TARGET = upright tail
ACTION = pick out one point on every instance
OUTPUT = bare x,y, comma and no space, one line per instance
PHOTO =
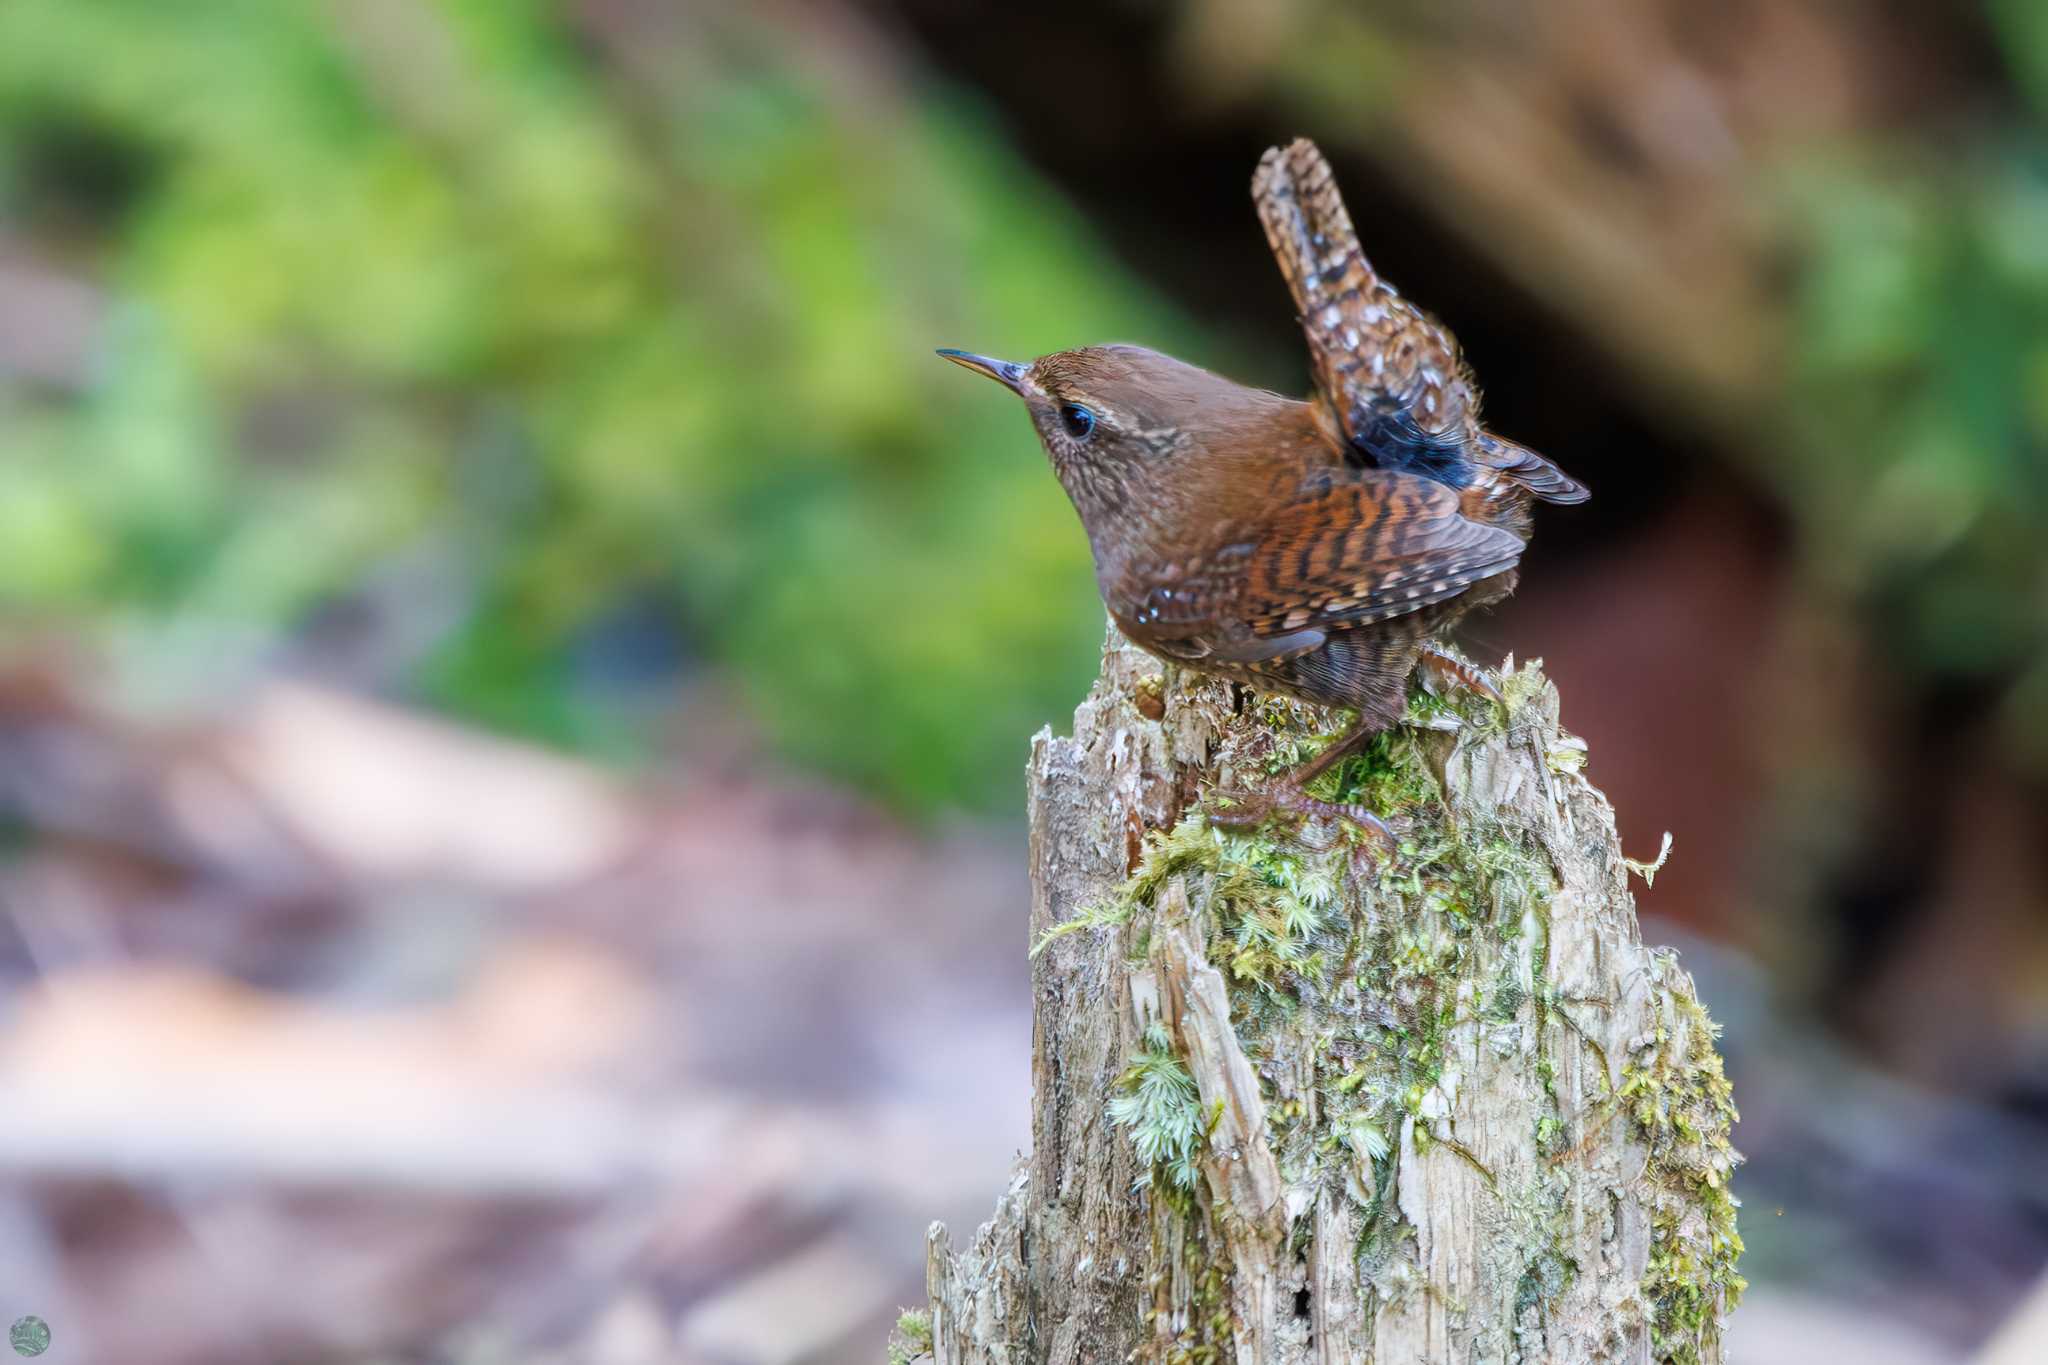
1309,229
1375,355
1391,374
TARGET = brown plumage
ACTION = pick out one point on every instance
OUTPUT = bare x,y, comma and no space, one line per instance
1390,379
1316,548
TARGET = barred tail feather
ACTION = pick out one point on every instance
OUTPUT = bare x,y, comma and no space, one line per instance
1309,229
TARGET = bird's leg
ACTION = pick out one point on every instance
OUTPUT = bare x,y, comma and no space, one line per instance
1446,670
1253,809
1346,744
1292,791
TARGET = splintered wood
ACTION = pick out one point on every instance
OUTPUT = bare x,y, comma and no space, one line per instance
1450,1107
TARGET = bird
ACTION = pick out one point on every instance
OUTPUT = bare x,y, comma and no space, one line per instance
1320,548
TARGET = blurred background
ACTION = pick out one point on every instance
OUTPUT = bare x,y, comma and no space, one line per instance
516,662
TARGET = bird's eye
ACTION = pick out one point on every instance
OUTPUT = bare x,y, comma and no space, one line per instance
1079,422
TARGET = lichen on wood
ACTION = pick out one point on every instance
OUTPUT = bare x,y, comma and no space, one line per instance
1301,1098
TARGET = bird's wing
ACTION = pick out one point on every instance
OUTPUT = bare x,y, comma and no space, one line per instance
1392,375
1366,546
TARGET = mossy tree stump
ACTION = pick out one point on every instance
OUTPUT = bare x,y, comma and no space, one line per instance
1297,1101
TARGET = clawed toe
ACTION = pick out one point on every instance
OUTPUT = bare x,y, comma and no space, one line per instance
1447,670
1251,811
1304,804
1247,812
1285,798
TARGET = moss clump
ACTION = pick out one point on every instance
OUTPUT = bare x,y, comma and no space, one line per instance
1270,892
1188,846
1157,1101
1680,1102
1267,898
912,1339
1389,776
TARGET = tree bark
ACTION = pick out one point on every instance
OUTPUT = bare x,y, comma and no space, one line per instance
1300,1098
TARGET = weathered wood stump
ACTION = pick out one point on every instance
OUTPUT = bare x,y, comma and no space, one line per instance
1299,1098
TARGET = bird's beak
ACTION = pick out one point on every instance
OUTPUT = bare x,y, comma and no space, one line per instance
1008,373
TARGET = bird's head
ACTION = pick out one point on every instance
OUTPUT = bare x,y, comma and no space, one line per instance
1126,427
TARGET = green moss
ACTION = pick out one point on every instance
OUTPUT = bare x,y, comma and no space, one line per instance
912,1339
1200,1330
1358,982
1156,1100
1390,775
1204,1332
1188,846
1678,1098
1267,898
1521,687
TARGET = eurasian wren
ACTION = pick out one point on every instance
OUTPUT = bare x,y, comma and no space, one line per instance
1315,548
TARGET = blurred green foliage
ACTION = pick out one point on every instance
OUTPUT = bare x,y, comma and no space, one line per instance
639,340
612,351
1920,396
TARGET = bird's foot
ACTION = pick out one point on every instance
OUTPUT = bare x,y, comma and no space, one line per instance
1444,670
1255,810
